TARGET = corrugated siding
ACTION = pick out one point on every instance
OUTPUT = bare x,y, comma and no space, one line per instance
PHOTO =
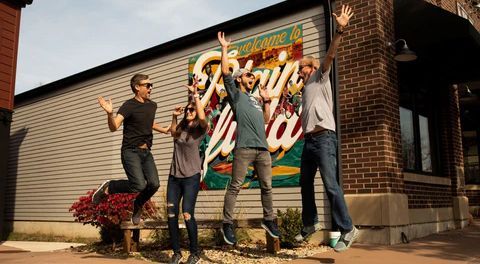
61,146
9,21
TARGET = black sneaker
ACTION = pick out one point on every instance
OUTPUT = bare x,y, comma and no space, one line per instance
271,228
307,231
193,259
228,234
100,194
137,214
176,258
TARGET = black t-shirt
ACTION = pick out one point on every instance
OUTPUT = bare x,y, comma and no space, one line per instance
137,123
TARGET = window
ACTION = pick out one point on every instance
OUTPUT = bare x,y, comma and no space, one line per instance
470,157
425,149
408,141
417,123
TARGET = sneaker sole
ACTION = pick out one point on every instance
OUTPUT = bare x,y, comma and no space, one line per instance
225,238
269,232
97,192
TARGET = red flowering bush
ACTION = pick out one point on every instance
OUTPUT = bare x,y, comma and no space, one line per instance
110,212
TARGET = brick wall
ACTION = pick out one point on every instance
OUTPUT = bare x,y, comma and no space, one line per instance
473,198
9,29
451,6
422,195
451,141
370,127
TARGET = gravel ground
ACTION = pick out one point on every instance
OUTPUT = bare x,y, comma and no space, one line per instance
241,253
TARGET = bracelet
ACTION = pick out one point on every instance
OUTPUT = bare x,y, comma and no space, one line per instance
196,95
340,32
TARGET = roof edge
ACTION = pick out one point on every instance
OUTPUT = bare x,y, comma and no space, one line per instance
264,14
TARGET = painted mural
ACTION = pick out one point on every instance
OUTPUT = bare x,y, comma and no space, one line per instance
272,58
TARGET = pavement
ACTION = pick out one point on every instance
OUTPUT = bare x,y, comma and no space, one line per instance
452,247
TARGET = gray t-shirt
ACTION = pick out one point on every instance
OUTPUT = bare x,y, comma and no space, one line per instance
248,113
317,103
186,160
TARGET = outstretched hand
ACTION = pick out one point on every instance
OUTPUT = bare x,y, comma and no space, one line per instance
106,105
344,17
194,87
221,38
178,110
264,92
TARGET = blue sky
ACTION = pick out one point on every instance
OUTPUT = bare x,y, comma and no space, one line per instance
63,37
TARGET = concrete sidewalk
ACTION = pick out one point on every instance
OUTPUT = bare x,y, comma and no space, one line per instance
23,252
32,246
452,247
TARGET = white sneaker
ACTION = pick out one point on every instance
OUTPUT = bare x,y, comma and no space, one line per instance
346,240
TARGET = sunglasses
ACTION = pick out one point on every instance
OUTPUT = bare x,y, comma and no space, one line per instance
302,66
148,85
249,74
189,109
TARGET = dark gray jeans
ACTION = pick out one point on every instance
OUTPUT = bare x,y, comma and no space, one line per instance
262,163
141,173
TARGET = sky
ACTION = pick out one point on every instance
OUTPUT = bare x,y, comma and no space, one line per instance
63,37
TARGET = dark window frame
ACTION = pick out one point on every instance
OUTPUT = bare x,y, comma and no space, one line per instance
412,98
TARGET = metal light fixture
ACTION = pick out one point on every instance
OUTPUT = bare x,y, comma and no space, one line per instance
402,52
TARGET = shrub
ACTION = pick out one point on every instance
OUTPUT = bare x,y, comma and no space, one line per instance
290,226
109,213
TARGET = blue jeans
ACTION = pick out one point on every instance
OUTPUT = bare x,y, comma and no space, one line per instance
141,173
188,189
321,152
262,162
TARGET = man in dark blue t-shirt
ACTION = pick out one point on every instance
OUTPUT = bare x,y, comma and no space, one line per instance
138,118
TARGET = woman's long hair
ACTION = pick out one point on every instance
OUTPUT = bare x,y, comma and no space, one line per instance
195,128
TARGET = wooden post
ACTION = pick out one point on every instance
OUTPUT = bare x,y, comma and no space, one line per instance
127,240
273,244
136,240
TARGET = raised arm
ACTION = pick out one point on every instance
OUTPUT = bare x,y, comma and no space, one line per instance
224,43
342,21
198,104
228,82
114,122
176,112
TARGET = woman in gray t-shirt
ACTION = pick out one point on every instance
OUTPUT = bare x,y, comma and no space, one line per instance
184,178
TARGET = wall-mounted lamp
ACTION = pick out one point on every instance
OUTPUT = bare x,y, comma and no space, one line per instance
402,52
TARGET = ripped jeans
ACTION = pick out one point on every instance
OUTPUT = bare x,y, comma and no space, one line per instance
188,189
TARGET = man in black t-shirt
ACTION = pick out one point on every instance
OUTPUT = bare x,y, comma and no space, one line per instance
138,118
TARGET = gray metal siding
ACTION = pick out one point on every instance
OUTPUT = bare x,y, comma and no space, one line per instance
61,147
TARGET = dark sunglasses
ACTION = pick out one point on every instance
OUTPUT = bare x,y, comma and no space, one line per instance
189,109
249,74
148,85
303,66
